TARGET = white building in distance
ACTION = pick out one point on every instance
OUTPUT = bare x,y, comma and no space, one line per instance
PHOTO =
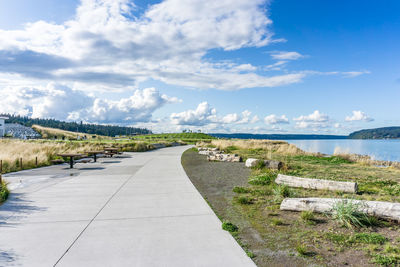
2,126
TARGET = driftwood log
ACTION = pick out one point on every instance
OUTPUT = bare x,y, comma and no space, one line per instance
294,181
380,209
270,164
273,164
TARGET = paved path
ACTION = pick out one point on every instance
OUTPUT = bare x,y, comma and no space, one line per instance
140,210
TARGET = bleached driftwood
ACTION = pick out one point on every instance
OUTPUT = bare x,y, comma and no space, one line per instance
270,164
294,181
380,209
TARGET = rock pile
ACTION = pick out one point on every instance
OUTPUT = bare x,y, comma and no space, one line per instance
214,154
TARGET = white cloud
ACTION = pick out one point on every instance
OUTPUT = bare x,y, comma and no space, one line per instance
358,115
284,55
315,121
204,115
316,116
61,102
274,119
106,44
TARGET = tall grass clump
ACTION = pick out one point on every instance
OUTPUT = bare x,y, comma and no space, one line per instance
282,191
3,191
350,214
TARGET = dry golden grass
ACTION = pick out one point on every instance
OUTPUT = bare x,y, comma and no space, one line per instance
281,147
49,133
11,150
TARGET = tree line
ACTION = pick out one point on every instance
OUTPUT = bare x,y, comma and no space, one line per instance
107,130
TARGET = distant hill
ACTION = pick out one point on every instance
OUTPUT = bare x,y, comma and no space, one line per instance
106,130
278,136
378,133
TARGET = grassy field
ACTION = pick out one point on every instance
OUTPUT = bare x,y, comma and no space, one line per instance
184,137
38,153
308,238
53,133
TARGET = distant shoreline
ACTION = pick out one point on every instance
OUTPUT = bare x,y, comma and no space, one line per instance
280,136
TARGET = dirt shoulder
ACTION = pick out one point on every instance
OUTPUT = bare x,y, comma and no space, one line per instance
215,181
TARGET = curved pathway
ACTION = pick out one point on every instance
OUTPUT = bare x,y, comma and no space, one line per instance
138,210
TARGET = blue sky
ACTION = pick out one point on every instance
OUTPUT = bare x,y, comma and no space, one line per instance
328,67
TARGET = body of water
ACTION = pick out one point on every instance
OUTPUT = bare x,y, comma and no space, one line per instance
377,149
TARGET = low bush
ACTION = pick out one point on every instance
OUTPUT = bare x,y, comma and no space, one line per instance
230,227
244,200
3,191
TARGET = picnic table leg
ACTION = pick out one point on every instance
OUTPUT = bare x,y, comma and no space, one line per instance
71,162
95,157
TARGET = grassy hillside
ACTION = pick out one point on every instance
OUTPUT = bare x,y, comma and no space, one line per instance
378,133
53,133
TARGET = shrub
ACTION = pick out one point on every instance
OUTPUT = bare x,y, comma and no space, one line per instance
349,214
244,200
230,227
4,192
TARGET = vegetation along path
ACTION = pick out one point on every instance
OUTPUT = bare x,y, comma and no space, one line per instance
137,210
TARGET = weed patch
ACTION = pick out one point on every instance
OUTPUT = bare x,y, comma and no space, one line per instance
230,227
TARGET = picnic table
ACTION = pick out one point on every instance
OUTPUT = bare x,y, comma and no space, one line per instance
71,157
111,150
94,153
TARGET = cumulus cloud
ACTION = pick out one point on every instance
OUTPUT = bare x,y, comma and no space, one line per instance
274,119
315,121
358,115
285,55
204,114
106,43
61,102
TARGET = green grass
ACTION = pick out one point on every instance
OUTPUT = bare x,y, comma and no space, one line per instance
263,179
244,200
4,192
275,221
349,214
282,191
241,190
230,227
386,260
356,238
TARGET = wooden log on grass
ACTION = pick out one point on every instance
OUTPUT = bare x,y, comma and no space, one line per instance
379,209
309,183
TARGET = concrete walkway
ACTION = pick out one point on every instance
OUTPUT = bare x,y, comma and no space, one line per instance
139,210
